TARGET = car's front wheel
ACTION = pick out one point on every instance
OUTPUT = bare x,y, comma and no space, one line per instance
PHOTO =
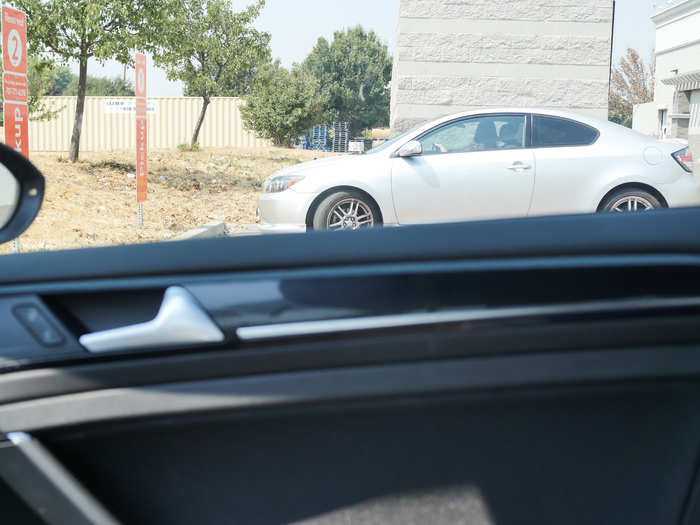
346,210
631,200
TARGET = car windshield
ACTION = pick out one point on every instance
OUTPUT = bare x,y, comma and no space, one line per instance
168,120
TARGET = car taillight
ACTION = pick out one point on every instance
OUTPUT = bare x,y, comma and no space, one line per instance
684,157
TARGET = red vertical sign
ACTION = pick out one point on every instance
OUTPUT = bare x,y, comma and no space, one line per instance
141,130
14,79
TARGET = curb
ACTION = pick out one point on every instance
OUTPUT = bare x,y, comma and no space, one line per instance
209,230
243,230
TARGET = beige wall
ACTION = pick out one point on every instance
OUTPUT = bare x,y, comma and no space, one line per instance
684,59
172,124
677,54
455,55
677,28
645,119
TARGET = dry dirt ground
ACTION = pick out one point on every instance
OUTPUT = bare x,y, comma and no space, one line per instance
93,202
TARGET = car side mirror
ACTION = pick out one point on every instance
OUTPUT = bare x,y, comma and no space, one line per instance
21,193
410,149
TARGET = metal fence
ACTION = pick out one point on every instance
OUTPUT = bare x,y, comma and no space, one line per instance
109,124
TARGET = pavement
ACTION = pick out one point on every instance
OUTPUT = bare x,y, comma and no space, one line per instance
212,229
233,230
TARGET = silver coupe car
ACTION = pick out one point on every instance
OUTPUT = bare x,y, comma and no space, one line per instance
483,165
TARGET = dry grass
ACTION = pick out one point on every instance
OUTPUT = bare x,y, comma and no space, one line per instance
93,202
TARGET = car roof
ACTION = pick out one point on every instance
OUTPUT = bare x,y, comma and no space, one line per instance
580,117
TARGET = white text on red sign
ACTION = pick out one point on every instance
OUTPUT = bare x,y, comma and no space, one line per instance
14,87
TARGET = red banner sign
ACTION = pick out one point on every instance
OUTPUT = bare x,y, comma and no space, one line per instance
14,79
141,130
16,117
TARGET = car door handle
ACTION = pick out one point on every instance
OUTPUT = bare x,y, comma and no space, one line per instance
180,321
520,166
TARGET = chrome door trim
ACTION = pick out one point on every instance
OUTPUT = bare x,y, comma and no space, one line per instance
330,326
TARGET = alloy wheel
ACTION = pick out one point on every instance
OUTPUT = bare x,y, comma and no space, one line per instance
631,203
350,214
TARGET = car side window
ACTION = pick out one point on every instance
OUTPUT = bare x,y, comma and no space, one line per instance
487,133
552,132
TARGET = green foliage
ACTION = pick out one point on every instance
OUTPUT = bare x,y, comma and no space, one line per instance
45,78
282,104
100,29
61,79
619,112
101,87
219,54
42,79
347,79
220,50
82,29
354,72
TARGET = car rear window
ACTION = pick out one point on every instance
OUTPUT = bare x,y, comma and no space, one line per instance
552,132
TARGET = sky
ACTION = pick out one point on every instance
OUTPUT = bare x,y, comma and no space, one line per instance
295,25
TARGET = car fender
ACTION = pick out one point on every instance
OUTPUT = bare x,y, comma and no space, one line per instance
620,181
371,178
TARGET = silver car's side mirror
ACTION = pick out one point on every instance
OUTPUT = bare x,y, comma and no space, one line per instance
21,193
410,149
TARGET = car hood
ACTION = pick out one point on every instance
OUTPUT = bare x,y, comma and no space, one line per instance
321,165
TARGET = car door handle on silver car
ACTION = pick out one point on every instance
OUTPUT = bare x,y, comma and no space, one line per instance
520,166
180,321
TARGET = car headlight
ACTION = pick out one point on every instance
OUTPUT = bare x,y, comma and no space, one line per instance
278,183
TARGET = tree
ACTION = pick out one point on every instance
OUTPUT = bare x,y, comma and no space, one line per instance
354,72
42,79
632,82
62,77
83,29
42,76
46,79
101,87
219,53
282,103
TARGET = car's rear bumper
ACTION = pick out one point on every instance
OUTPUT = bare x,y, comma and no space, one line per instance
683,192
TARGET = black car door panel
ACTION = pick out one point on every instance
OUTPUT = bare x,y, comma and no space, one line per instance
535,371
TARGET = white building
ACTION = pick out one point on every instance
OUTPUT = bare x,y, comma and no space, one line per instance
675,112
455,55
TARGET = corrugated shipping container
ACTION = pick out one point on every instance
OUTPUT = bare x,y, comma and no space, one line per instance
108,126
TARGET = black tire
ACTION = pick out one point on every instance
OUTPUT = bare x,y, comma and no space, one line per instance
327,205
646,199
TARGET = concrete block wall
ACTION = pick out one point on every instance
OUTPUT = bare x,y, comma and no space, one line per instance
455,55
